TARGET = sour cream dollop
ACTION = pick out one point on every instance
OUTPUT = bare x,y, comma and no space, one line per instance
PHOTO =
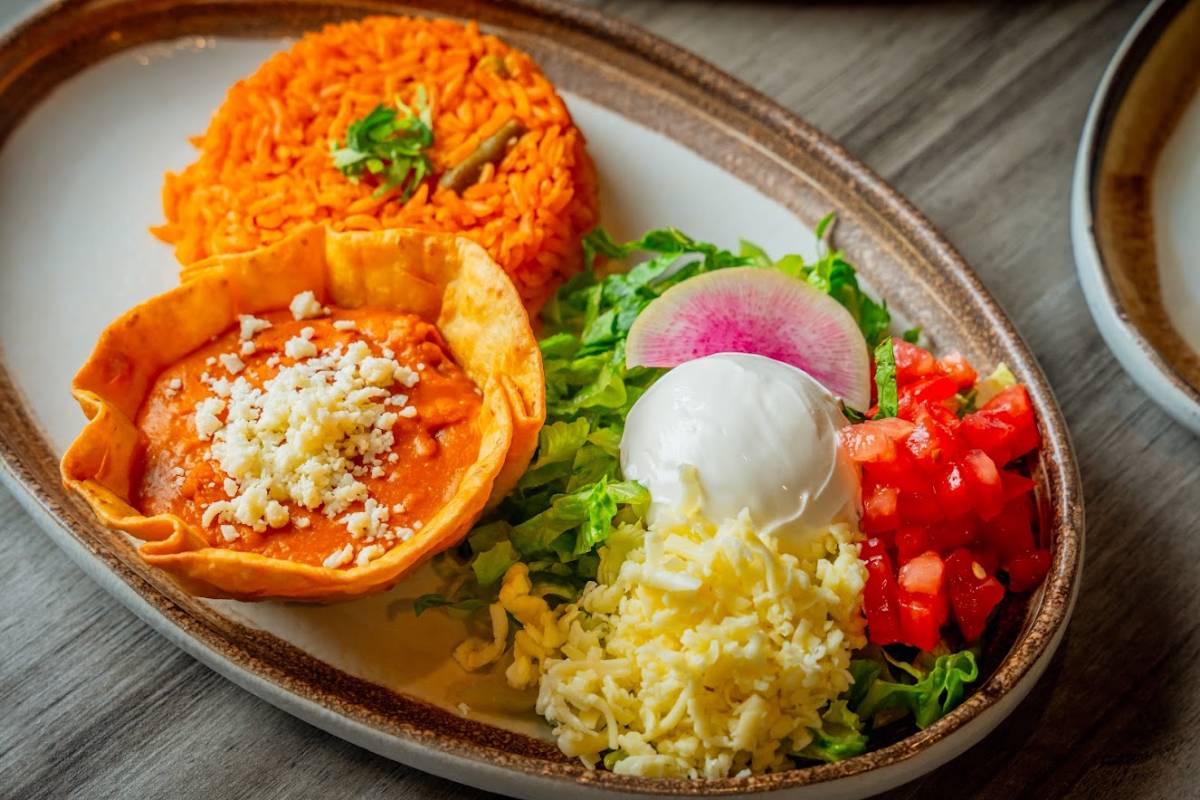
735,431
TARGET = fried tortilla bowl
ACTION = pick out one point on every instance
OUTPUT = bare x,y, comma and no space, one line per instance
442,279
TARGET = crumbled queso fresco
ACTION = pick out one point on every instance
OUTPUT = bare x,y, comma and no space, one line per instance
306,437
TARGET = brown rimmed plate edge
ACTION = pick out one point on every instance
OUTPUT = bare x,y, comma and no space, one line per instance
875,223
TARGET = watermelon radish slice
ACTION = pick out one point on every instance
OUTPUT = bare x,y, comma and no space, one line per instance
758,311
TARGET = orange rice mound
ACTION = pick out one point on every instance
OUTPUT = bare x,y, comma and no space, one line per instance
265,167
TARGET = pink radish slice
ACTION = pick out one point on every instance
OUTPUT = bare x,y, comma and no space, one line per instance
759,311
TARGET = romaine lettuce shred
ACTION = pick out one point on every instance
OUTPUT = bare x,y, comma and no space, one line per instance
886,690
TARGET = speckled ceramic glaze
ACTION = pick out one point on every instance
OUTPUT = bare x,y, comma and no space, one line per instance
675,141
1135,202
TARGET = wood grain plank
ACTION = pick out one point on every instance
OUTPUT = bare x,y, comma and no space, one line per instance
971,109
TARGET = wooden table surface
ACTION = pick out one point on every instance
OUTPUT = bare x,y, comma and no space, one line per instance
973,110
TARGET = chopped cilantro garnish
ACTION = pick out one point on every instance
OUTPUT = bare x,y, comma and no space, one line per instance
390,146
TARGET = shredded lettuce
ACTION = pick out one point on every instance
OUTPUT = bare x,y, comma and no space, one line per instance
623,541
944,687
576,522
886,689
839,737
490,565
927,692
559,443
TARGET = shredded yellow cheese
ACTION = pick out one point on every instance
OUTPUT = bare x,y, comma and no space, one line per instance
541,634
711,654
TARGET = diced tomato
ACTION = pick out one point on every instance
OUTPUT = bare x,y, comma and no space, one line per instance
864,444
920,508
1012,402
873,547
911,541
954,492
923,574
920,625
880,510
1027,440
875,440
973,591
945,414
879,595
989,434
912,362
1011,532
941,606
958,369
930,443
942,515
951,534
932,391
1025,571
901,473
1005,427
984,481
1015,484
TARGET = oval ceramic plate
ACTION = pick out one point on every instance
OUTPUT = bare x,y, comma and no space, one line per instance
99,98
1136,202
